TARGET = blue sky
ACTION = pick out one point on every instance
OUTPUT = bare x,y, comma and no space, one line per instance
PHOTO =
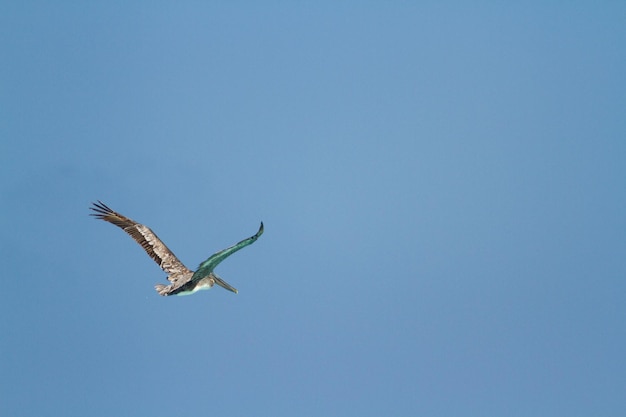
443,188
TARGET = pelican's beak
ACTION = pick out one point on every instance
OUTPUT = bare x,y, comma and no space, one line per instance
219,281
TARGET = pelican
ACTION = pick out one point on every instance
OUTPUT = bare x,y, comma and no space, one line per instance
182,280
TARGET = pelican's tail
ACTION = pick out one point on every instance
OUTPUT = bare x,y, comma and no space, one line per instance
162,289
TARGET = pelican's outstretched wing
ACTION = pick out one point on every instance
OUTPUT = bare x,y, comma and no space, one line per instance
148,240
207,266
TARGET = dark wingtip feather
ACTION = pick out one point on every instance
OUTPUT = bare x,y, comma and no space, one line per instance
101,210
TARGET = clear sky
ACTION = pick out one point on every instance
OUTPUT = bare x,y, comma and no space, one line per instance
443,188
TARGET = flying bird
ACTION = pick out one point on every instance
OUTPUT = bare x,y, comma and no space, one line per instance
182,280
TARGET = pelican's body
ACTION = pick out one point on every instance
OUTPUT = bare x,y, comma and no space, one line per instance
183,281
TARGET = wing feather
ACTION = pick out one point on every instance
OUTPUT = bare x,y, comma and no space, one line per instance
148,240
209,265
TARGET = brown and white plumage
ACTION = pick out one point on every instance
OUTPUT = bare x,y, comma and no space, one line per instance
183,281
